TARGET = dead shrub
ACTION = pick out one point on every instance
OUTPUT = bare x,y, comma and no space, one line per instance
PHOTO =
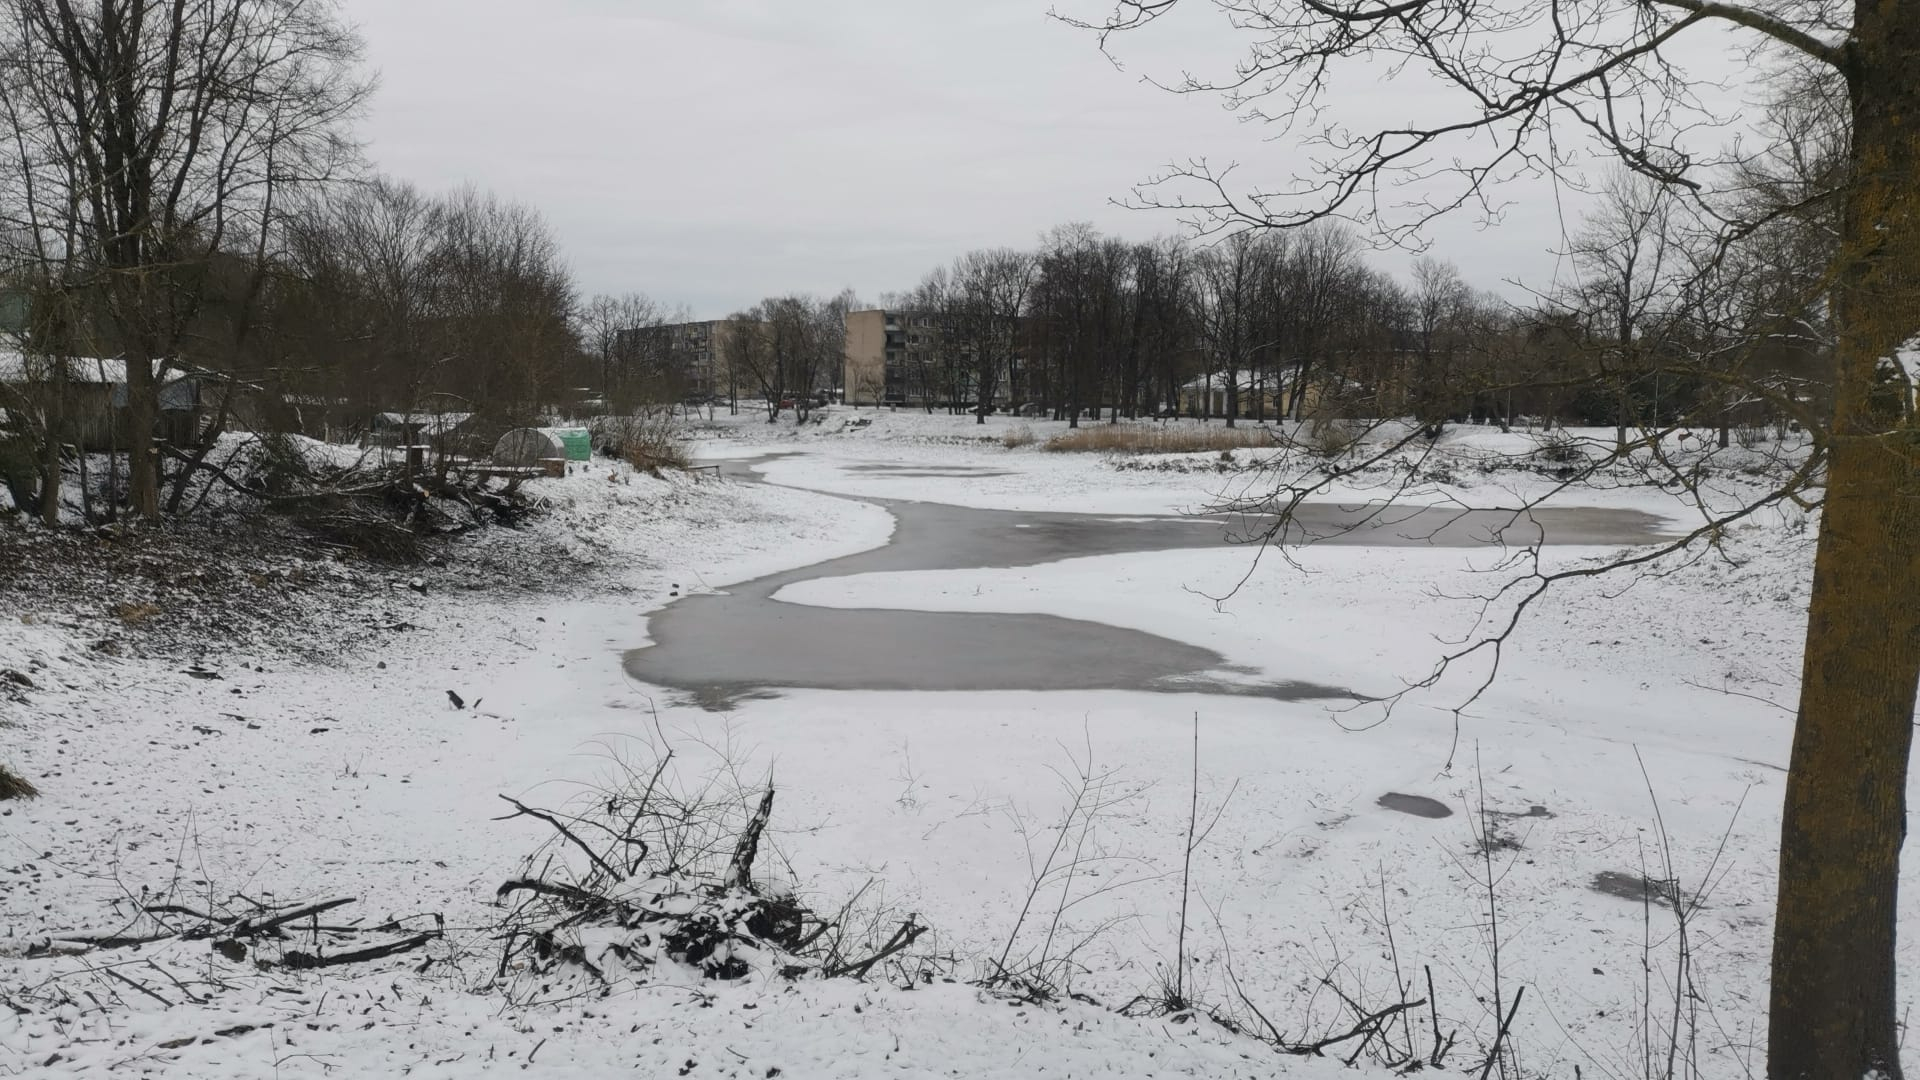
1159,439
360,525
655,868
1560,448
134,614
13,787
649,442
1016,438
1331,438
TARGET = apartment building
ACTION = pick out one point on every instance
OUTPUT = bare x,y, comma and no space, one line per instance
887,355
691,353
909,358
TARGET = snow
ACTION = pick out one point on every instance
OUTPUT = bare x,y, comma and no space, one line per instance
347,777
883,454
16,368
427,423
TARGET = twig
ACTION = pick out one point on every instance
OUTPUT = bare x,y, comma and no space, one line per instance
523,809
137,986
300,961
248,928
1500,1037
1367,1024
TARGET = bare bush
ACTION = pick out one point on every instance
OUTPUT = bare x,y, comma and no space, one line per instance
1075,866
1560,448
653,869
648,441
1018,437
357,524
1331,438
1159,439
14,787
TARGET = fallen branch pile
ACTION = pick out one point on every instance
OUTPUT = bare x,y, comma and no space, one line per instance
155,957
648,877
380,509
285,936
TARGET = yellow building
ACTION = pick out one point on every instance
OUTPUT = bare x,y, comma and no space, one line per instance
890,357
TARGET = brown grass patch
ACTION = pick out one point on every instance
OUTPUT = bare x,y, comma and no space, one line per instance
1160,439
1018,437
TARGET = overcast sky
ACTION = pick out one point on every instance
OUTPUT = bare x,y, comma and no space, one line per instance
711,152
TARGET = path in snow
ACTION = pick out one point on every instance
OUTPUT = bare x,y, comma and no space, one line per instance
740,643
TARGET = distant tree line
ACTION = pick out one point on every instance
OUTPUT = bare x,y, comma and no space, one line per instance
181,192
1270,325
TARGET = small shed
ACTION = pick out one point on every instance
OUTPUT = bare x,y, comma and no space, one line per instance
530,446
92,393
411,428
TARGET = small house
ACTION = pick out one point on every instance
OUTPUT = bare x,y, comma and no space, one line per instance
89,394
1265,394
444,431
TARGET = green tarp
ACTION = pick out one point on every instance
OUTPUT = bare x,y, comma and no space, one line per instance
578,442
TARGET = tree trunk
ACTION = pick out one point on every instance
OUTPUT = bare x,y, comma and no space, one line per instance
1833,1008
52,465
1833,994
143,412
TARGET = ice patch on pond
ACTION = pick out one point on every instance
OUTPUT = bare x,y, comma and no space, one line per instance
1416,805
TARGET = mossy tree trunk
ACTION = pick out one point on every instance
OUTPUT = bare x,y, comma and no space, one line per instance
1834,1008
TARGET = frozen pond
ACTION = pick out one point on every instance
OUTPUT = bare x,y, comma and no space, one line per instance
722,647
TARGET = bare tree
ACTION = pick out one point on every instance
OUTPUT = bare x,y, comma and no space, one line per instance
1324,276
150,135
1630,272
1441,306
747,351
1230,283
1504,86
635,361
980,305
1162,276
390,299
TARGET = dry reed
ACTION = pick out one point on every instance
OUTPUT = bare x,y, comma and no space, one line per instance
1160,439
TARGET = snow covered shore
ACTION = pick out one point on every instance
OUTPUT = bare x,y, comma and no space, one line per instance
345,777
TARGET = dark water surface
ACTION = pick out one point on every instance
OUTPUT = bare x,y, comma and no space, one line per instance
723,647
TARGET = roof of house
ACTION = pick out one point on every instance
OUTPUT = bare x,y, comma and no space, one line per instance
1271,381
15,367
428,423
1244,379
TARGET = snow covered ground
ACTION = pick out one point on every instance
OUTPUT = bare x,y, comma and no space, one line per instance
358,777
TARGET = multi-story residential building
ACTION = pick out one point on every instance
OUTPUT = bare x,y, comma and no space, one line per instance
911,358
692,354
887,356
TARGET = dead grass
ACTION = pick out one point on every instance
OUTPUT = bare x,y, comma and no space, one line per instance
1018,437
12,787
1159,439
652,443
134,614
